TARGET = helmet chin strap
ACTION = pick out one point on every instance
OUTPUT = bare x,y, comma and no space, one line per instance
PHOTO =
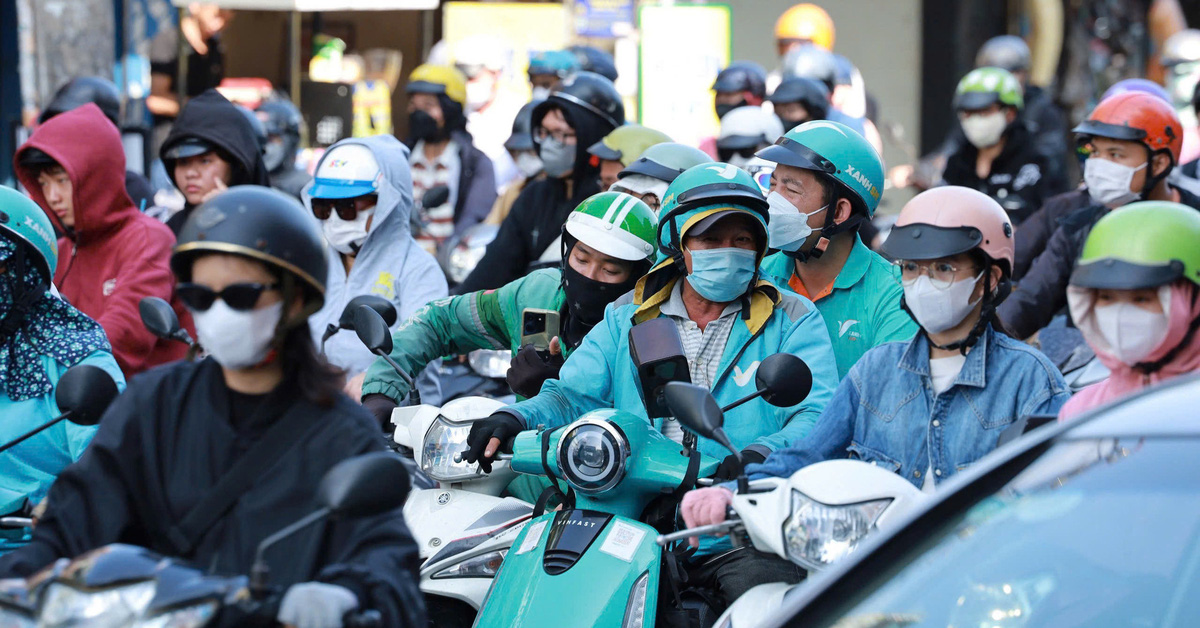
987,312
828,230
1152,180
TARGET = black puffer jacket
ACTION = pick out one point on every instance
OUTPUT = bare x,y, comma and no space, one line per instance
1035,232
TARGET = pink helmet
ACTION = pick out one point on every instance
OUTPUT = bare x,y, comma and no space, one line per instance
950,220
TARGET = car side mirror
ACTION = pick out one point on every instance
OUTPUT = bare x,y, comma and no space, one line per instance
694,407
365,485
372,330
784,379
84,392
160,319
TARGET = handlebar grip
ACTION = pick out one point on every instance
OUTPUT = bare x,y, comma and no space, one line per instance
362,619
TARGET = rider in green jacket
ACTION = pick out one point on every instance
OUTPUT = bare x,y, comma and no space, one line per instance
608,244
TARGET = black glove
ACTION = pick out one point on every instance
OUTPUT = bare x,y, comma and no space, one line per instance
729,469
529,371
380,406
502,425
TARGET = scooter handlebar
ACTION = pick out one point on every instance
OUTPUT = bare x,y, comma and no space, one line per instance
458,457
709,530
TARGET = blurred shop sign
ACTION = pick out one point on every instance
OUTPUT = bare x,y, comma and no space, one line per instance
607,19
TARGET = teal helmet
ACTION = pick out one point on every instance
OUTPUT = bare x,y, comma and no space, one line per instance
705,192
840,153
23,222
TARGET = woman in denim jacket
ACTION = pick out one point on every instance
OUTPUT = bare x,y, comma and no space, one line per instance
930,407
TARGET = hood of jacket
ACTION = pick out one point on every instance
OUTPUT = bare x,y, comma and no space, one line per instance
589,129
1124,379
212,118
96,168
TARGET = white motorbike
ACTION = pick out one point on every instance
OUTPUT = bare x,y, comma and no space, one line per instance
813,518
462,526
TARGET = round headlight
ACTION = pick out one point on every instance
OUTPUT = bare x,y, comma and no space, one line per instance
592,455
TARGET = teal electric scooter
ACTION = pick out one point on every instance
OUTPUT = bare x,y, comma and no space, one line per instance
593,563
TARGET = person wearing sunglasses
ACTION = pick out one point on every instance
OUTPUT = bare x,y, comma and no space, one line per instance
362,195
251,269
825,188
745,131
928,408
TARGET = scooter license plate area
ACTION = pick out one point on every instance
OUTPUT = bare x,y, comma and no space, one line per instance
574,568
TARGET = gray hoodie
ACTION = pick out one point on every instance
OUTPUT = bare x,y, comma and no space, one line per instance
391,264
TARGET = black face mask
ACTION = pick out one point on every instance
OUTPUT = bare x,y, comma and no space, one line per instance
586,298
422,126
788,125
724,109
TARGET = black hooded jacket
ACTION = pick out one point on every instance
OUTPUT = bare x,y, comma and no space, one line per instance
540,211
166,442
212,118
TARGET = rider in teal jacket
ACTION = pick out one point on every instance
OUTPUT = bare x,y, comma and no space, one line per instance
41,336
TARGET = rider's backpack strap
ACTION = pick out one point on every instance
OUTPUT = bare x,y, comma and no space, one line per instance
270,447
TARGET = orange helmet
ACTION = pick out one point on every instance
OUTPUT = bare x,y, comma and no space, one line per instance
807,22
1135,117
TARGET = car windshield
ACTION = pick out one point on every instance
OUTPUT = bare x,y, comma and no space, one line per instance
1092,533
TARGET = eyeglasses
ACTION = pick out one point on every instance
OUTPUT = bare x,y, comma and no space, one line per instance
941,274
563,138
238,296
346,208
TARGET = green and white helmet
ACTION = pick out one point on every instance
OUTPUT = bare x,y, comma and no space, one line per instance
615,224
982,87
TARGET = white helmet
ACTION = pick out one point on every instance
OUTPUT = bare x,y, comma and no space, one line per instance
745,130
346,171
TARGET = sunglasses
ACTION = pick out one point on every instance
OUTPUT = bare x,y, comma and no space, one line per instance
347,208
238,296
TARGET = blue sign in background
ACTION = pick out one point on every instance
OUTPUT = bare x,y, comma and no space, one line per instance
599,18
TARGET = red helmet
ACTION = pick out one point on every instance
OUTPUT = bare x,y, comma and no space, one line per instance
1137,117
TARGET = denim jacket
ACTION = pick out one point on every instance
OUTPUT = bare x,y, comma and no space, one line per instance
884,411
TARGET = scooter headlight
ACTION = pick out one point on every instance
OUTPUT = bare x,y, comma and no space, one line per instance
110,608
592,455
490,363
442,442
817,534
482,566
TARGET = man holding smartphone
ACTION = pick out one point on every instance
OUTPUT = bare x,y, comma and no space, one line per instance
608,244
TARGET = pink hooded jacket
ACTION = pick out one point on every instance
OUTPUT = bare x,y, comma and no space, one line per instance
1185,307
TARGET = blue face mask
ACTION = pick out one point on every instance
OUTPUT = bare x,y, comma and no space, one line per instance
722,275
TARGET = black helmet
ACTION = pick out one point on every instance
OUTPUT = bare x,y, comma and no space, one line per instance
522,128
742,76
811,62
264,225
80,91
595,60
280,117
1006,51
808,92
260,131
591,92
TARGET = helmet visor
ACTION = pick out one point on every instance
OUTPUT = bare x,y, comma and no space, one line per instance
1116,274
923,241
789,152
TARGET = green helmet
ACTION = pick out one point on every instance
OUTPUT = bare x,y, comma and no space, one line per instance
616,224
22,221
626,143
703,191
1141,245
982,87
666,161
838,151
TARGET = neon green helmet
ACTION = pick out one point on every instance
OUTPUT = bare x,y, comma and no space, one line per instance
704,191
666,161
1141,245
983,87
626,143
22,221
615,224
838,151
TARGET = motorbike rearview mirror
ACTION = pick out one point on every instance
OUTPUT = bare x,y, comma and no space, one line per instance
372,330
160,319
784,379
435,196
365,485
385,308
361,486
694,407
83,393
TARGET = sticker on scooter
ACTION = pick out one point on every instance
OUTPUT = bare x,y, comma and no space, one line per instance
622,541
532,537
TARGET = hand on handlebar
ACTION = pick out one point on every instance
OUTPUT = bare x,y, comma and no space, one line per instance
489,435
316,605
705,506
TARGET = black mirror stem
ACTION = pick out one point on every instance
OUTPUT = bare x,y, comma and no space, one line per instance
758,393
412,386
259,570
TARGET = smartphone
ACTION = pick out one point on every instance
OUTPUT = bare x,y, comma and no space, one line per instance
538,328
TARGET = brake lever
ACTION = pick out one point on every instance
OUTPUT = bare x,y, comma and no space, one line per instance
709,530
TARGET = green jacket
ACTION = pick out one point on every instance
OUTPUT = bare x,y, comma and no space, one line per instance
488,319
863,309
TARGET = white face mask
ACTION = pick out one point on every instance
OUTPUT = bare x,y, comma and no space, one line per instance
937,310
479,94
347,236
983,131
541,93
1131,332
787,229
1109,182
529,164
237,340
